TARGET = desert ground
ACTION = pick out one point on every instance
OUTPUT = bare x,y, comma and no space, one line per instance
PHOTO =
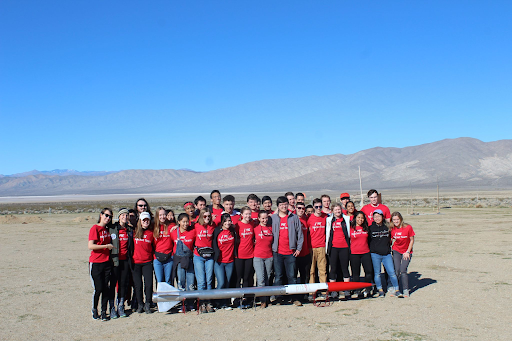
460,276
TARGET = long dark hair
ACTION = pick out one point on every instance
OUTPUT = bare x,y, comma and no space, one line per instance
148,209
226,216
365,223
103,211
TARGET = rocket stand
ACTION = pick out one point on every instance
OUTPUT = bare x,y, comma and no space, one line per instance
321,302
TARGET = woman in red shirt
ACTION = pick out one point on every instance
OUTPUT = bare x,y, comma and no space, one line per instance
338,245
402,236
224,254
143,255
100,264
263,257
351,210
162,262
360,251
184,238
244,250
203,254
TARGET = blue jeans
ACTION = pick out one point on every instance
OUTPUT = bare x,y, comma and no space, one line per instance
387,261
186,277
163,270
204,272
285,264
223,273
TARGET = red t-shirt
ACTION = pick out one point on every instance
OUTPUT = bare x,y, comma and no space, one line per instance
217,212
369,209
123,244
338,237
316,227
188,238
163,243
204,236
235,218
246,233
307,242
101,236
143,248
283,247
264,238
254,215
226,244
402,238
358,241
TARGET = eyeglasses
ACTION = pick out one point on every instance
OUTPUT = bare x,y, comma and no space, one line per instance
142,205
318,206
107,215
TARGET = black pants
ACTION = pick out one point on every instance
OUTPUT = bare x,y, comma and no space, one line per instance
121,276
304,267
355,266
244,271
143,270
100,275
339,256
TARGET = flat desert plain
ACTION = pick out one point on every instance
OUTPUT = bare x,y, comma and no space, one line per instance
460,275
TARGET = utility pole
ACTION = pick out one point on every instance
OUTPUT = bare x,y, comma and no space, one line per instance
361,187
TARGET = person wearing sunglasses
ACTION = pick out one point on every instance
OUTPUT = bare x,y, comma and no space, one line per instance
263,259
141,205
203,255
100,264
304,258
143,255
316,226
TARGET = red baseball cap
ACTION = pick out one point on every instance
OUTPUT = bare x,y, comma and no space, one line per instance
344,195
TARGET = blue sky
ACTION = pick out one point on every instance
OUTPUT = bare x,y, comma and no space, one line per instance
113,85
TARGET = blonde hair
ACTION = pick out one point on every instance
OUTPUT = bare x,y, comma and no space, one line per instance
402,223
156,227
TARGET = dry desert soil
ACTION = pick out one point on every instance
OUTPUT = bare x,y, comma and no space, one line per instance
460,274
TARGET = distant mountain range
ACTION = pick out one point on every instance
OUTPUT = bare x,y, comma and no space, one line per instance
61,172
457,163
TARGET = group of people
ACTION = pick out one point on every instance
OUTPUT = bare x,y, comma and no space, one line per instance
216,246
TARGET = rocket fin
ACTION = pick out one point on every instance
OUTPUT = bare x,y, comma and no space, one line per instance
166,306
165,287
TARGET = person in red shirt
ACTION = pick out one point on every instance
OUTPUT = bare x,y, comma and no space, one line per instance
267,205
203,255
121,235
326,204
316,226
100,264
351,210
344,199
253,202
360,251
263,258
368,209
143,255
216,208
402,236
287,244
162,262
291,201
244,250
300,197
304,258
224,238
338,245
189,210
229,207
184,238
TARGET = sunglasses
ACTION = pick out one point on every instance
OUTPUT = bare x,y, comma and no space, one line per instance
142,205
301,208
318,206
206,216
107,215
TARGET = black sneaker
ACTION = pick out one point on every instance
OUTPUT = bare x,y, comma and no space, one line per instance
147,308
140,309
104,316
95,315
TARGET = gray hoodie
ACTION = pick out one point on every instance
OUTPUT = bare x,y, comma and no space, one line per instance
295,235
